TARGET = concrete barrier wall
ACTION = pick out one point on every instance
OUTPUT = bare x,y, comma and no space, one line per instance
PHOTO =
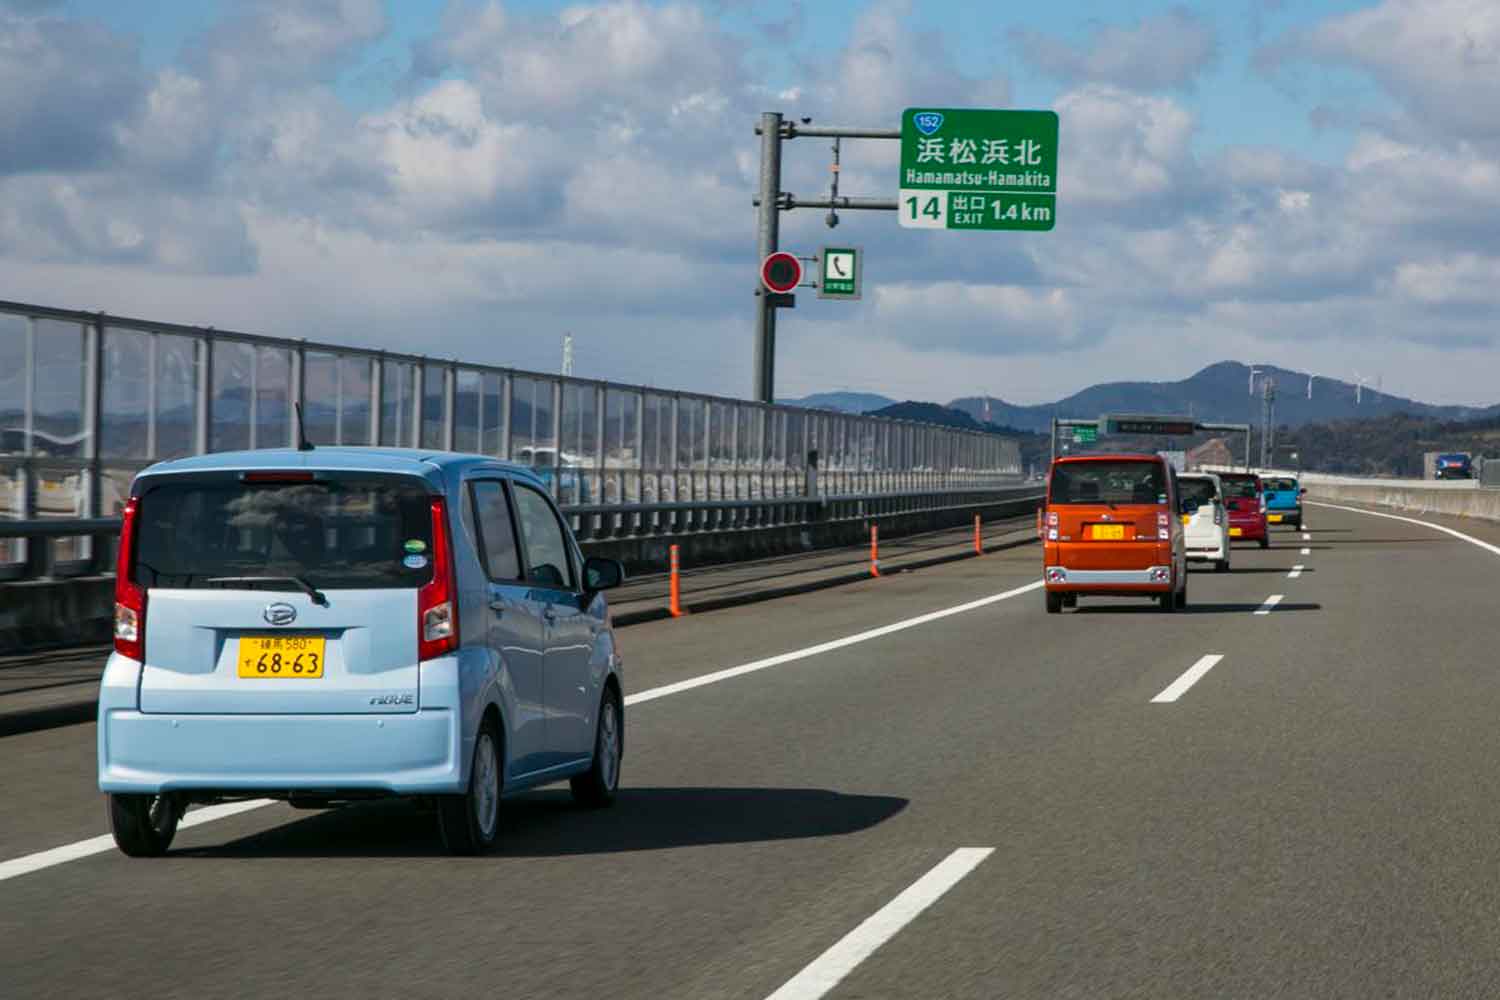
1429,498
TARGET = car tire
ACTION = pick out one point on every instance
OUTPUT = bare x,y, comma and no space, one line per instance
596,787
1168,602
1182,597
470,822
1221,565
143,825
1054,603
1070,600
1265,541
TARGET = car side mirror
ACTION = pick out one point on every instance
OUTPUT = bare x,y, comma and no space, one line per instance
1302,492
602,574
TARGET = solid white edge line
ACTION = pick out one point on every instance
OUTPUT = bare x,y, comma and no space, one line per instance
29,863
1192,675
1296,571
1306,552
1306,537
1412,520
822,647
824,972
97,845
1271,602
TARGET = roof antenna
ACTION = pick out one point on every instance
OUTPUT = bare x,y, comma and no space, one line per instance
303,444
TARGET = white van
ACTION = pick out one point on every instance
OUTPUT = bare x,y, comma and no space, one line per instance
1205,520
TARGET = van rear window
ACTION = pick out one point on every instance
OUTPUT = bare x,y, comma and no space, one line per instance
1199,490
1280,485
1108,482
1240,488
352,532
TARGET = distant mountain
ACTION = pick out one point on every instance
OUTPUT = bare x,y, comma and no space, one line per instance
1220,393
846,402
930,413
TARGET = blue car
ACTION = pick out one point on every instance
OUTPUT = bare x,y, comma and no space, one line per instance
1283,500
338,624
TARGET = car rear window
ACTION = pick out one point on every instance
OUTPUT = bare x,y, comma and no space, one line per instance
340,532
1199,490
1281,484
1241,487
1108,482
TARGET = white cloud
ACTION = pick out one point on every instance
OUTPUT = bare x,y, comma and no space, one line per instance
591,170
1164,51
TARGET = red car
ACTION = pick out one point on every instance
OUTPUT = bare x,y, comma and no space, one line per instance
1245,496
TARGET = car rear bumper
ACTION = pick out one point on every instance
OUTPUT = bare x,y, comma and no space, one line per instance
1149,579
1207,553
404,754
1248,531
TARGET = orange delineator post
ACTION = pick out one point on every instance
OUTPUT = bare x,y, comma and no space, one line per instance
874,550
978,538
674,599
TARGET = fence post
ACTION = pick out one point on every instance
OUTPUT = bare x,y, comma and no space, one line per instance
674,586
874,550
978,538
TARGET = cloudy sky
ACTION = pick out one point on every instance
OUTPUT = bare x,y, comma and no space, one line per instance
1312,184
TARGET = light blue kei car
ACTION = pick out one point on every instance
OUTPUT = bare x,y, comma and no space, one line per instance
335,624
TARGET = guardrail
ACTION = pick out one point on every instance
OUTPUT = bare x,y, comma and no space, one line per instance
591,522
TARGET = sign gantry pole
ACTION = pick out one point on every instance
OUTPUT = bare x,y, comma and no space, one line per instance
767,235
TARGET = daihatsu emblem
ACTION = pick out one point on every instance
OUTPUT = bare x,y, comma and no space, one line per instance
279,614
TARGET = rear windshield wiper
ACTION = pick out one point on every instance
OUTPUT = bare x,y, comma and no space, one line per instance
303,584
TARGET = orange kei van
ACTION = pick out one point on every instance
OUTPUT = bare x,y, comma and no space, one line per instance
1112,527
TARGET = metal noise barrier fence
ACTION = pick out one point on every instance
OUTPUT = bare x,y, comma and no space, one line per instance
87,400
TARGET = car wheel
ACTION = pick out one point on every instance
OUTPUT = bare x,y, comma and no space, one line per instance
470,822
1168,601
1054,603
596,787
1070,600
1265,541
1182,597
1221,565
144,825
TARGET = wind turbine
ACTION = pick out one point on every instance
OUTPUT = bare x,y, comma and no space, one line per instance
1359,385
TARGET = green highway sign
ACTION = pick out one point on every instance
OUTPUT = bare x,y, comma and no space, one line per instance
973,169
1085,434
839,272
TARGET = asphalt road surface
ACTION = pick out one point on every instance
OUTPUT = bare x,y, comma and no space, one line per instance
986,801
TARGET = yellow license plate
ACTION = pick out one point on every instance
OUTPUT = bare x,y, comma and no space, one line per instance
1187,518
1274,518
263,656
1236,532
1107,532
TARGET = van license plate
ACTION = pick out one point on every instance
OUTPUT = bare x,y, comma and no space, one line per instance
1236,532
1274,518
262,656
1107,532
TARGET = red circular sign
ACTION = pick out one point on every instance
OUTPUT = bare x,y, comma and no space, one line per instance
781,271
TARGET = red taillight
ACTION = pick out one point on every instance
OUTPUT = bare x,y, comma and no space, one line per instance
130,597
437,600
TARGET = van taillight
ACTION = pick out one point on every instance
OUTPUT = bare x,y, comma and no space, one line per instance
437,600
130,597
